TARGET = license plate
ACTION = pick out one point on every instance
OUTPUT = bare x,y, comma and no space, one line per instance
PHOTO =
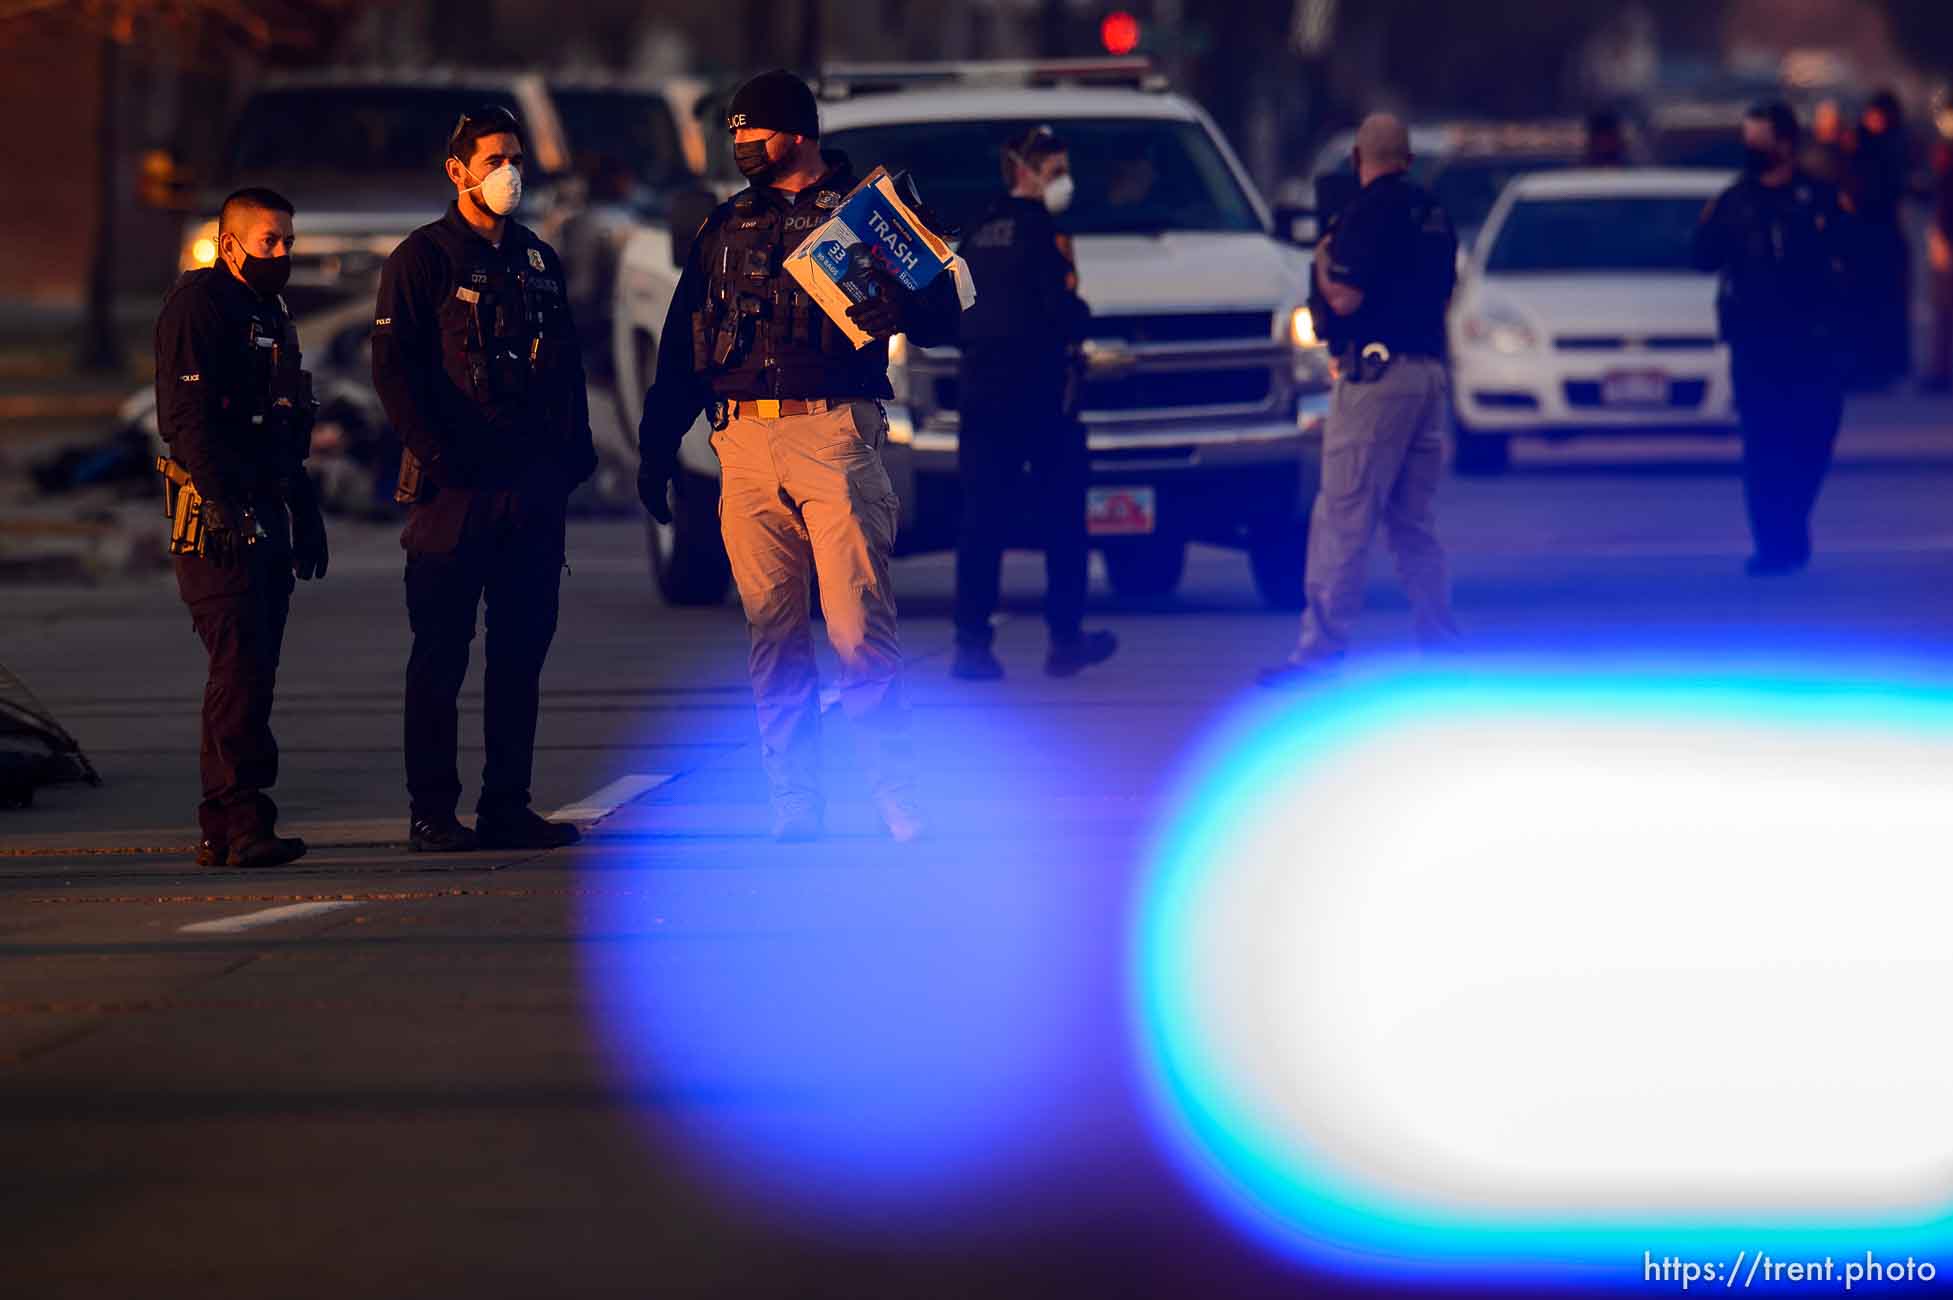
1635,388
1121,511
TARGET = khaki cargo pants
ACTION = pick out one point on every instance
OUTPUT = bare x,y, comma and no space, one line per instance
806,495
1382,457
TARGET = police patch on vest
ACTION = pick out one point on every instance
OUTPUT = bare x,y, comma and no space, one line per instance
828,199
535,259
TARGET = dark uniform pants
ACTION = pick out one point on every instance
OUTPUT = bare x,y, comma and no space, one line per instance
239,614
512,562
1790,416
996,441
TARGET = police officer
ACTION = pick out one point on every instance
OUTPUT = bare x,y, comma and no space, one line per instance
1780,239
798,428
475,357
236,410
1015,398
1383,275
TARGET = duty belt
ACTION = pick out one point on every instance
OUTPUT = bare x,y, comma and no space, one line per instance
770,408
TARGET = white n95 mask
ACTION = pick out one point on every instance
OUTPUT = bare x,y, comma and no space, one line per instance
501,189
1057,195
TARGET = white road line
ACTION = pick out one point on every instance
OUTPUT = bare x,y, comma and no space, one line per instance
270,916
595,807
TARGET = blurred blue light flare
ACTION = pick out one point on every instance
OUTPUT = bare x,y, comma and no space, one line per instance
1514,971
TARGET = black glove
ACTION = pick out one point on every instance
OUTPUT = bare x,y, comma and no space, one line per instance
309,552
223,533
654,488
881,315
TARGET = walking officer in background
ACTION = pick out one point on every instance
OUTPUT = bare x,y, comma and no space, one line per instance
1781,240
475,357
1016,397
798,428
1383,275
236,410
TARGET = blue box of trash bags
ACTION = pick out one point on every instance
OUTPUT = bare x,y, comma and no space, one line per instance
872,226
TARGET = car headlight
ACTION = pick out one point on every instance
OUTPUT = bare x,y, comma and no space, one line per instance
200,249
1501,329
1302,328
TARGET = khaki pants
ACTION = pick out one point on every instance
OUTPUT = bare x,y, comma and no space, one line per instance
1382,456
806,495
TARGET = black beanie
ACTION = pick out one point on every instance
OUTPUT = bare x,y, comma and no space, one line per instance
775,101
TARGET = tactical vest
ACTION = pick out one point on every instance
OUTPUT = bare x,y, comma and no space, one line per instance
505,334
757,333
1786,286
288,403
273,403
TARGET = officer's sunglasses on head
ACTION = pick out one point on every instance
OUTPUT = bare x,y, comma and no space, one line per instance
500,119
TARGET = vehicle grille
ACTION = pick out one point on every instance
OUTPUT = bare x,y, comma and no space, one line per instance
1163,452
1683,394
1169,388
1506,401
1185,327
1152,390
1617,342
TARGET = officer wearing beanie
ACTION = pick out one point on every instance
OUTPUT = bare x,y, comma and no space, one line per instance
798,427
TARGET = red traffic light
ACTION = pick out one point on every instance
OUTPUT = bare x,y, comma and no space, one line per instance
1119,32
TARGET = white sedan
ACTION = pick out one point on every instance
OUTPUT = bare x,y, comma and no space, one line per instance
1580,313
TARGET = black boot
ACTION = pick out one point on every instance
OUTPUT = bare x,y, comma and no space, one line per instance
440,835
975,663
1069,658
521,828
265,851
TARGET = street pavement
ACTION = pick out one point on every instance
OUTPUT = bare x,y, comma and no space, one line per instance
680,1059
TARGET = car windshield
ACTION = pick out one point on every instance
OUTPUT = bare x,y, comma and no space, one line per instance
1133,175
615,135
1467,188
358,130
1625,233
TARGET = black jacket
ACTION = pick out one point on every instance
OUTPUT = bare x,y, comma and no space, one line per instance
1029,307
1785,256
806,358
1395,243
222,354
476,358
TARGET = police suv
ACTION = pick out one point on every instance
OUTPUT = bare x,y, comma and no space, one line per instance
1204,389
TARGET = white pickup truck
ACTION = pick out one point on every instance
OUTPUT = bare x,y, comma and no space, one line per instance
1206,387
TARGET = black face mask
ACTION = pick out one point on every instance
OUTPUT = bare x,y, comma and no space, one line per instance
753,161
1758,161
266,275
